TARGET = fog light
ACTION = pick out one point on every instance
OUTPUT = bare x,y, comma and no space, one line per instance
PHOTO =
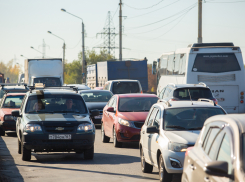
175,163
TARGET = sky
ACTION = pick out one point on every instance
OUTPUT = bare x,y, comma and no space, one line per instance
150,28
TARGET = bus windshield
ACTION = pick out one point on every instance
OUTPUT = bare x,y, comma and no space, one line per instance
216,63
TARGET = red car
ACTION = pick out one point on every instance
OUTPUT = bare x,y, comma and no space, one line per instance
9,102
123,117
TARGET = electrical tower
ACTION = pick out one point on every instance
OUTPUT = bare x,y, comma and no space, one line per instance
44,48
108,35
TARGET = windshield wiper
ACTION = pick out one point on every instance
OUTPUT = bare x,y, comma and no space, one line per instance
197,128
67,111
175,126
40,112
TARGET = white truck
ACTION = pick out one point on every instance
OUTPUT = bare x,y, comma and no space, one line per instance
46,71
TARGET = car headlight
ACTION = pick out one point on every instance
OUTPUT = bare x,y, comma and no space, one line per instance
8,117
177,147
32,128
85,127
125,122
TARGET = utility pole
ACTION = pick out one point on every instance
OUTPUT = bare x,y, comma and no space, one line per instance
199,39
83,63
120,31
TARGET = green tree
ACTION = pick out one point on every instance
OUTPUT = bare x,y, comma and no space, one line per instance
73,71
10,70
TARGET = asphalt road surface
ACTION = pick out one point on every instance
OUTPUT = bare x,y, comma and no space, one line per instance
109,164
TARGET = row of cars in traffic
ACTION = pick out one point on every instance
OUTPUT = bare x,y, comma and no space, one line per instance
171,129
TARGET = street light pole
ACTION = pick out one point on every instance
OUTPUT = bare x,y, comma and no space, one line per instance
64,47
37,51
83,47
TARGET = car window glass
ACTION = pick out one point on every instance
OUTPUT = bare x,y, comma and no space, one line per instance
125,87
110,102
208,141
215,145
157,119
95,96
114,104
22,104
153,114
13,101
225,153
161,94
166,93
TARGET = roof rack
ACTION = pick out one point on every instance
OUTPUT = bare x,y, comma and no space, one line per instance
42,86
219,44
206,100
172,84
201,83
165,102
16,87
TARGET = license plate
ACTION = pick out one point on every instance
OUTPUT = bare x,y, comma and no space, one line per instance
60,137
98,117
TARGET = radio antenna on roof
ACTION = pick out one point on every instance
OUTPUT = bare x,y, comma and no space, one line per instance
190,97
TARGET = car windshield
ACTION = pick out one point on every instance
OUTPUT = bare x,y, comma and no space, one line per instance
13,101
136,104
188,118
56,103
125,87
196,93
48,81
94,96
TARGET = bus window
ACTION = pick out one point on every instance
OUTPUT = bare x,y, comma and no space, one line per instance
163,65
170,67
216,63
176,64
182,64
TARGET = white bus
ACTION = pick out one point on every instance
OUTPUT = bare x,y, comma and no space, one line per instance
219,65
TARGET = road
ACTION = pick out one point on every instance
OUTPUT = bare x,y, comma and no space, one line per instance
109,164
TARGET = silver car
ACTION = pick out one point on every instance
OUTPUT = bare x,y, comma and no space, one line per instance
169,129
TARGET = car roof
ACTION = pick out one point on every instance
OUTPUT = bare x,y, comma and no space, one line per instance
185,104
136,95
80,86
235,120
200,85
54,91
10,94
85,91
123,80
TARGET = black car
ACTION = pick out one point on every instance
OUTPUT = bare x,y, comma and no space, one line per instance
53,120
96,100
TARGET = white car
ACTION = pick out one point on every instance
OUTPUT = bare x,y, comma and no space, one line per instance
169,129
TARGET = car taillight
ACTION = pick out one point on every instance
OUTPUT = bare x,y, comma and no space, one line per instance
141,92
188,150
242,97
215,101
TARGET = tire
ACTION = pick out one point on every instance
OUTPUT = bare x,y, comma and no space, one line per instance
163,174
89,154
104,138
2,132
145,167
26,154
19,146
115,142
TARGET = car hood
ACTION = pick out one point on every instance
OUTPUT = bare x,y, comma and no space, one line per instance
57,117
133,116
7,111
185,137
96,105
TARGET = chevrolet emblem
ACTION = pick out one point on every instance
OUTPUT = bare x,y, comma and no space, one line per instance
59,128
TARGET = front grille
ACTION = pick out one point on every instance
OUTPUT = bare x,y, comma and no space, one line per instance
222,78
138,124
59,129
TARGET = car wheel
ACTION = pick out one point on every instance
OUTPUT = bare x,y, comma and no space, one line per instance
19,146
145,167
163,174
2,132
26,154
115,142
104,138
89,153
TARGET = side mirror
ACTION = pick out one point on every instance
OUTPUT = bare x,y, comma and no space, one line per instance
154,68
110,109
95,112
217,168
152,129
15,113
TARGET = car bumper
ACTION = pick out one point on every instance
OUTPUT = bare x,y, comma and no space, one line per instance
127,134
41,142
179,156
8,125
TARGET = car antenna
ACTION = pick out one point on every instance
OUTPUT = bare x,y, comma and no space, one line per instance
190,97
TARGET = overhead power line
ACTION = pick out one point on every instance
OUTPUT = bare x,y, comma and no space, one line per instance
143,8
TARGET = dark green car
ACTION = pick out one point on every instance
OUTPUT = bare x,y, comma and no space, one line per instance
54,120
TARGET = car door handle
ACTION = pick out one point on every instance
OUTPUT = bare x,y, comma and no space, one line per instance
192,167
206,179
149,136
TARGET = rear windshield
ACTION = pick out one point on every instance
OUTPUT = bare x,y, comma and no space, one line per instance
13,101
196,93
188,118
216,63
136,104
125,87
48,81
96,96
55,104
